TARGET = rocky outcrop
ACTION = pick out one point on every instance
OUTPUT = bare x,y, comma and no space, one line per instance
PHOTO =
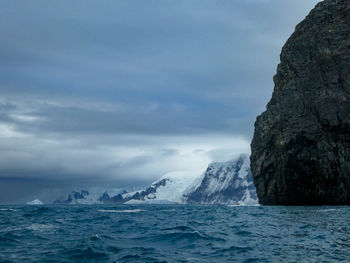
93,196
301,146
105,198
74,197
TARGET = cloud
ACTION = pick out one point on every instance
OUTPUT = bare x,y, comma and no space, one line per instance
119,157
126,91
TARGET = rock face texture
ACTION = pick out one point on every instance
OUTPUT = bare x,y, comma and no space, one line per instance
301,146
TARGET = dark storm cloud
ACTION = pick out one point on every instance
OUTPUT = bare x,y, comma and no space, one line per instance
122,90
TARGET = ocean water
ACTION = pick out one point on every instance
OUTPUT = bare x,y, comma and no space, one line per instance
174,233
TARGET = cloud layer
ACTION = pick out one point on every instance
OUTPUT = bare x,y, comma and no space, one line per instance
122,92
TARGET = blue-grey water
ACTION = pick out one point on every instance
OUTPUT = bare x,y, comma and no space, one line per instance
174,233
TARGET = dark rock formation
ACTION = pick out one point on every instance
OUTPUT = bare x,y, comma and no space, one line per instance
73,197
105,198
301,146
116,199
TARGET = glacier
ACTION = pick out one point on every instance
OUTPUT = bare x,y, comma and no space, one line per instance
168,189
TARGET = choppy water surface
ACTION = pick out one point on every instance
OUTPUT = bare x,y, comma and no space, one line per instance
174,234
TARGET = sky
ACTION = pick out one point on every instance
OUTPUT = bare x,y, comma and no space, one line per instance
116,94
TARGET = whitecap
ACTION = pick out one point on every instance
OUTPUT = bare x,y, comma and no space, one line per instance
327,210
8,209
40,227
120,211
10,229
243,205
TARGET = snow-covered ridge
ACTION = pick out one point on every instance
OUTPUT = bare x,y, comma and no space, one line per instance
225,183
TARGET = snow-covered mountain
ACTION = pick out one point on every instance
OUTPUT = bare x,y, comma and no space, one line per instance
228,182
225,183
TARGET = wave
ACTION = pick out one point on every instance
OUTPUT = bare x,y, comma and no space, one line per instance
120,211
185,236
243,233
41,227
180,228
236,249
327,210
244,204
37,212
191,234
85,254
8,239
125,222
8,209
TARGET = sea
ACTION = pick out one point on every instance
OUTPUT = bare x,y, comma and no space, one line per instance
174,233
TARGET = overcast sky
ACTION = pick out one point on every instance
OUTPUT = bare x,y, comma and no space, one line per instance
118,93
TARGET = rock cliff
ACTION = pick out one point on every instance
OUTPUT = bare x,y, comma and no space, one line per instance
301,146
